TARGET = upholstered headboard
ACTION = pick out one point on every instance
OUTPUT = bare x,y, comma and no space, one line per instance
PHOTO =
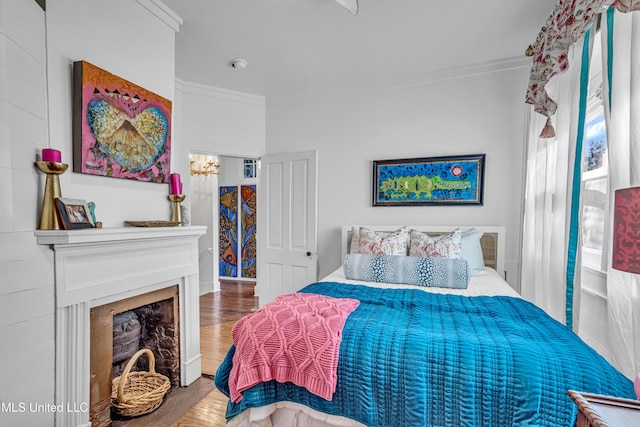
492,241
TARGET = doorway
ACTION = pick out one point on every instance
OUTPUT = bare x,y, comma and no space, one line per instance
228,249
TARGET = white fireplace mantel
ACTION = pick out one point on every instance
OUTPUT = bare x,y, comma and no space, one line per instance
94,267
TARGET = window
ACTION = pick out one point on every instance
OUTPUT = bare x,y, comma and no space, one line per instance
595,168
250,168
594,184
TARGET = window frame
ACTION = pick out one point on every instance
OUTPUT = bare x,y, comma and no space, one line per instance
592,258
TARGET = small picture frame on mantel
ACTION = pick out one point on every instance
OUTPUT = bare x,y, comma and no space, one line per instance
74,213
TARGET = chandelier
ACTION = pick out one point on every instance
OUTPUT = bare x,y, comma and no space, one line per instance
203,165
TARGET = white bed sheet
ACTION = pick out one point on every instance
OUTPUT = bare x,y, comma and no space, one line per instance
487,282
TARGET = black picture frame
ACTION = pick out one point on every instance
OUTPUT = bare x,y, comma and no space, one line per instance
429,181
74,213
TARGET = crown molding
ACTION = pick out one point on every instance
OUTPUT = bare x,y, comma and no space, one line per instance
216,92
424,78
162,12
454,73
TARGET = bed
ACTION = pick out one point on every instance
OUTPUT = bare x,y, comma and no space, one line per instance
433,353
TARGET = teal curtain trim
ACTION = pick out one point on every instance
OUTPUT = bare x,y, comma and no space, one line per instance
574,227
610,14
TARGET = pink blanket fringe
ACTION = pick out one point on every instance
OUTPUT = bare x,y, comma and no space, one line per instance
296,338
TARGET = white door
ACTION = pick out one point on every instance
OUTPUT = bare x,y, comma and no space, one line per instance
287,224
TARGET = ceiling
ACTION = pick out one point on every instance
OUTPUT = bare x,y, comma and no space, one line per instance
297,45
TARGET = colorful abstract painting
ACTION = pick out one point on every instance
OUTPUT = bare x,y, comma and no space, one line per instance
119,129
454,180
228,226
248,254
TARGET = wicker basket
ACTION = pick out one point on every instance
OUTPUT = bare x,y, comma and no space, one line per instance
138,393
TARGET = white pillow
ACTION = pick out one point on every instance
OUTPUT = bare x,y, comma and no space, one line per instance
445,246
371,243
354,248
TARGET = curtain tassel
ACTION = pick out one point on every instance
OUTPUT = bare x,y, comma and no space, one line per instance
548,131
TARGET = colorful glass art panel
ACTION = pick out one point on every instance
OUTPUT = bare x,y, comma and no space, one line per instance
228,226
455,180
248,193
119,129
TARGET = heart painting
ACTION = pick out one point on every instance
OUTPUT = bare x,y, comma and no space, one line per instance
120,130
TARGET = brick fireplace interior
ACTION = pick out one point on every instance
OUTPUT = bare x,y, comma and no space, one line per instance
118,330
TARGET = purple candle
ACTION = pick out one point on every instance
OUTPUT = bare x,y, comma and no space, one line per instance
176,185
51,155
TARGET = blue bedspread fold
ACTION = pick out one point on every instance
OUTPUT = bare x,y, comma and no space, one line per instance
412,358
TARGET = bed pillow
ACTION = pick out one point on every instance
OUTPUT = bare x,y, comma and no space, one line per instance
419,271
445,246
354,248
355,240
472,250
370,243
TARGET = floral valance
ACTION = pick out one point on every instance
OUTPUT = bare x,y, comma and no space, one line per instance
568,22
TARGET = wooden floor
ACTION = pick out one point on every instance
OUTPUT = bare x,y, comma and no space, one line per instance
218,313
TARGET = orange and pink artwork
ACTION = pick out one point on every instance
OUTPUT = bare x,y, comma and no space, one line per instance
119,129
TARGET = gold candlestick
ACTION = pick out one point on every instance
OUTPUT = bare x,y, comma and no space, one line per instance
48,218
176,213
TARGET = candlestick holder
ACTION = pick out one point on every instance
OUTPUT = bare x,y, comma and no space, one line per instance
49,220
176,212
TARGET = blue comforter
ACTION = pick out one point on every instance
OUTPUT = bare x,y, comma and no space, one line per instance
411,358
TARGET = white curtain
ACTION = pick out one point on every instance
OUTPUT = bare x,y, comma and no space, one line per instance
548,198
623,136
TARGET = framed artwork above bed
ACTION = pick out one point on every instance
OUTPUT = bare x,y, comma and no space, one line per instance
453,180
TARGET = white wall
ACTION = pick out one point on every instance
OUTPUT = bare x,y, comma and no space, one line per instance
26,293
226,124
133,39
204,203
233,172
476,111
220,121
125,39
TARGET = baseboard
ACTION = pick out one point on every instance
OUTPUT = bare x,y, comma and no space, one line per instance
206,287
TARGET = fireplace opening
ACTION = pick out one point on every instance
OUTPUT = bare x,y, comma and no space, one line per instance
118,331
151,326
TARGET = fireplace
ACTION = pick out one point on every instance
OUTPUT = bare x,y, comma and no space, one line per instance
109,269
118,330
152,325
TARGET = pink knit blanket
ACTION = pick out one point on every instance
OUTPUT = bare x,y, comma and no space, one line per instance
295,338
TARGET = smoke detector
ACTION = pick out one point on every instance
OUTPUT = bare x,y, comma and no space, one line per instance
239,63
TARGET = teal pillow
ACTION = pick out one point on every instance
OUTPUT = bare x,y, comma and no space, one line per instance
472,251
